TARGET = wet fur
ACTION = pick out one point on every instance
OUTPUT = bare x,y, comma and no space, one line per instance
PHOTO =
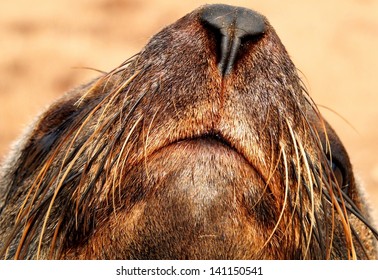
165,158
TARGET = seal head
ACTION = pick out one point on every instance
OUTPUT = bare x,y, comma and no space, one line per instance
205,145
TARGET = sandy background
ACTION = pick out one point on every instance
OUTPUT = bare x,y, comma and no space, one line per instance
44,46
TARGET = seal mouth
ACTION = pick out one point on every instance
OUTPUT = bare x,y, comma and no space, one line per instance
209,137
212,137
219,141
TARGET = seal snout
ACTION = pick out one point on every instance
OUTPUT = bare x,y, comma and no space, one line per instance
233,25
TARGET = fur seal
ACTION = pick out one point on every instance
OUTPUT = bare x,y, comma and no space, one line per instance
205,145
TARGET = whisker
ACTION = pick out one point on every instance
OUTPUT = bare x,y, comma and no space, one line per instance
311,192
285,198
340,116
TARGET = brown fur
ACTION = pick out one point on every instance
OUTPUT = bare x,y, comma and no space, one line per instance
165,157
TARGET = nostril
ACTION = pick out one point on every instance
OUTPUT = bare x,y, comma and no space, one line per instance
233,25
224,17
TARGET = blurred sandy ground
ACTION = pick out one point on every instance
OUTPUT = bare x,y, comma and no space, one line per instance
334,43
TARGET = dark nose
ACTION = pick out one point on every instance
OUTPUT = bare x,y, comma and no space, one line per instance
234,25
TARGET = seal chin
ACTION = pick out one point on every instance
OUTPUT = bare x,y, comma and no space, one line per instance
193,199
198,189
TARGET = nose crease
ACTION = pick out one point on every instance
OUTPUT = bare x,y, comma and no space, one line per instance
234,25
